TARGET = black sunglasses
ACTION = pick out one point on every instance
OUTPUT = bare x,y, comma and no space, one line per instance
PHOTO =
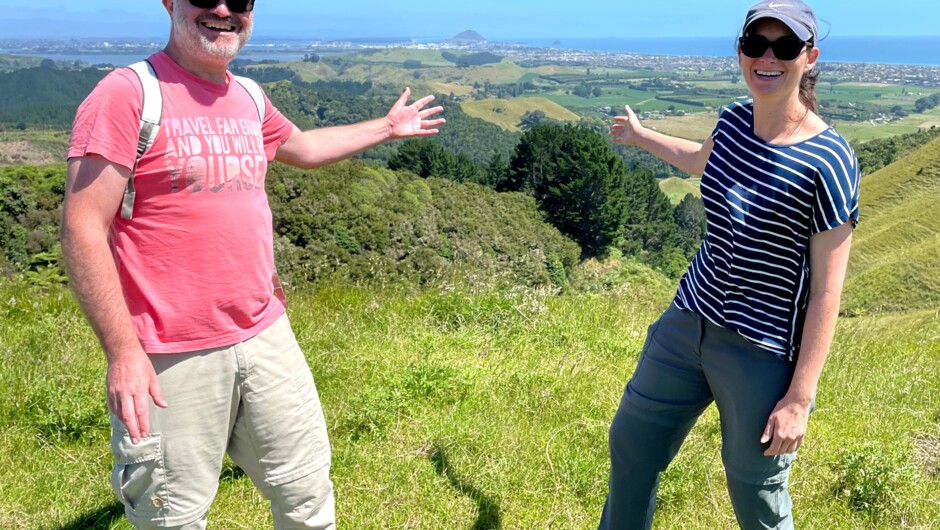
785,48
235,6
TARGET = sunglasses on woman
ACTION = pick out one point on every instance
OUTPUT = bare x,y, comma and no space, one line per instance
235,6
785,48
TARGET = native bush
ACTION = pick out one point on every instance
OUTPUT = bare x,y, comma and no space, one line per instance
373,225
30,209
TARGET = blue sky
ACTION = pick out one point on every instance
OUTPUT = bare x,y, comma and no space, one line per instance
504,20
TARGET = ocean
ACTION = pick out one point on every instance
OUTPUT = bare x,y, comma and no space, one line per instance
915,51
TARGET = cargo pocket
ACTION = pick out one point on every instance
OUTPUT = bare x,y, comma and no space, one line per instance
138,478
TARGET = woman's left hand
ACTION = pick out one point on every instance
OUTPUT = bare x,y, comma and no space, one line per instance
786,426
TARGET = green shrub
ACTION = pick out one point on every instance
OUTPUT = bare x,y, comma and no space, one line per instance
871,477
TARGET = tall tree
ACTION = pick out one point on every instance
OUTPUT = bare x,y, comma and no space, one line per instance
420,156
426,158
648,225
689,216
576,179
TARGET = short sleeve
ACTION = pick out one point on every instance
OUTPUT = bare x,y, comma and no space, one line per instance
107,122
838,179
276,129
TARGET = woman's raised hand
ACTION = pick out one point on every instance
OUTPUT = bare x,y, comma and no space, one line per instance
625,129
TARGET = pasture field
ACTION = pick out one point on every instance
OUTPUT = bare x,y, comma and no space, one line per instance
556,83
882,94
400,55
454,409
616,98
698,125
507,112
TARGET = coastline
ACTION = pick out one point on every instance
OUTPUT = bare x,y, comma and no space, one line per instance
893,51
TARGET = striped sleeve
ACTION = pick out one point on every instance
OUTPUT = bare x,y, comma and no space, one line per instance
837,183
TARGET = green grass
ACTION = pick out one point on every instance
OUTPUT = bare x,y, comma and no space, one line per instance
400,55
895,264
461,409
616,98
677,188
886,95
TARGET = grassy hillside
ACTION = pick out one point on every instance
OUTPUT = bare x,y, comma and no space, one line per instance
465,408
507,112
677,188
8,63
895,263
868,130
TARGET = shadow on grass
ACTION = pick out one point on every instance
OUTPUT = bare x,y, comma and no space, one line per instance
487,509
100,519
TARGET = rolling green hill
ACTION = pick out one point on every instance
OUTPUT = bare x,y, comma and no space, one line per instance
507,112
677,188
895,263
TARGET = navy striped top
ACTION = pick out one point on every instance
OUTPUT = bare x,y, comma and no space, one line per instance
763,202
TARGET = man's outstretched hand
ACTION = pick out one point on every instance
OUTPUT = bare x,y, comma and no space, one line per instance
405,121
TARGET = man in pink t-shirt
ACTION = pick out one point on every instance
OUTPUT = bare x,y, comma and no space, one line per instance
183,296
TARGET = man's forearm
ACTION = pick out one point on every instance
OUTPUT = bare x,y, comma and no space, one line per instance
332,144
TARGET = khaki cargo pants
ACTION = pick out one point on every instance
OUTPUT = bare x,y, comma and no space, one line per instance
256,401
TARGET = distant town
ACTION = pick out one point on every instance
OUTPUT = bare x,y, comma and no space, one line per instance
910,75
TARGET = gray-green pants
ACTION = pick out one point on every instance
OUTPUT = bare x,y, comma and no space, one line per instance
686,364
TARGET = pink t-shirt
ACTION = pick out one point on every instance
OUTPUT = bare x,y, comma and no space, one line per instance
196,262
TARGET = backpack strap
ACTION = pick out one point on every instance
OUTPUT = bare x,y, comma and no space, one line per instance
255,92
150,118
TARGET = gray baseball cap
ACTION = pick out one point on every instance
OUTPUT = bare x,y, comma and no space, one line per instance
798,16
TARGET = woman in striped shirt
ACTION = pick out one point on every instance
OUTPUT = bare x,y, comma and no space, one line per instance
754,315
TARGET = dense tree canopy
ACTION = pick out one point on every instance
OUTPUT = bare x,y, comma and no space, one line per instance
589,194
372,224
576,179
30,209
44,98
425,158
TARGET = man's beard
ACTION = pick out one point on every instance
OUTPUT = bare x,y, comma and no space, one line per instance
185,31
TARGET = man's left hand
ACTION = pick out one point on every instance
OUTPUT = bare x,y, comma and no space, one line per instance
405,121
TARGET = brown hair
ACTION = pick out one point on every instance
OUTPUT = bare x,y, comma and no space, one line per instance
808,89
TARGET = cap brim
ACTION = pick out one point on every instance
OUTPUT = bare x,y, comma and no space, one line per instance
801,31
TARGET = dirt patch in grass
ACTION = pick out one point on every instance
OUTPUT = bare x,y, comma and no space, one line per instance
927,453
